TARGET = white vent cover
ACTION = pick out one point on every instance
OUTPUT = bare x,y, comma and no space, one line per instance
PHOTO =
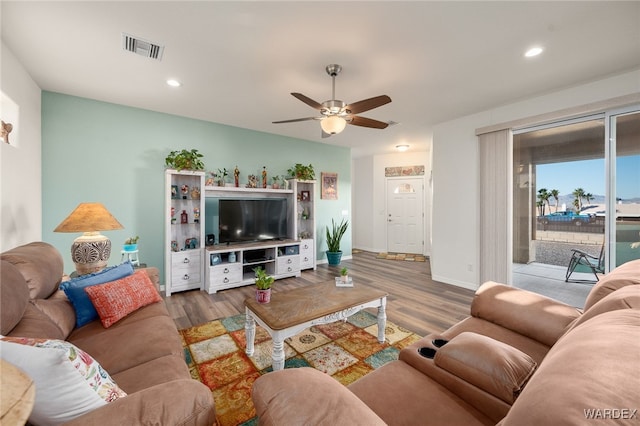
142,47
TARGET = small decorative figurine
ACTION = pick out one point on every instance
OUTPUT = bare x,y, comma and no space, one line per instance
195,193
236,176
174,245
174,191
185,191
173,214
253,181
196,215
264,176
184,218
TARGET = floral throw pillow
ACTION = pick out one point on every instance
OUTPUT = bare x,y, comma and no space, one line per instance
69,382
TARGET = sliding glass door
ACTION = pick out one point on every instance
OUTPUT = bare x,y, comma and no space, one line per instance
576,186
625,184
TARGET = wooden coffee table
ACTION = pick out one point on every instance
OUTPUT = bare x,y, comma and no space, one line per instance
290,312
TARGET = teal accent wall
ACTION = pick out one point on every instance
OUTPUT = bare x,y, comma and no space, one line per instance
101,152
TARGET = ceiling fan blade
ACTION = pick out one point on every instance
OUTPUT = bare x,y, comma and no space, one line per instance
308,101
296,120
367,104
367,122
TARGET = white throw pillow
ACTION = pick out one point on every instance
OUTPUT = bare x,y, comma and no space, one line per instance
69,382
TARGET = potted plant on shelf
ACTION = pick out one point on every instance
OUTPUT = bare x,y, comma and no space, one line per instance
276,182
221,175
184,160
334,236
131,244
344,273
263,285
302,172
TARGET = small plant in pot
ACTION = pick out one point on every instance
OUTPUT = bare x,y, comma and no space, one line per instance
263,285
131,244
181,160
344,273
276,182
334,236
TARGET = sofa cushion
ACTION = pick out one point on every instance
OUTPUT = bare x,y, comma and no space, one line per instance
117,299
69,383
401,395
36,324
591,373
59,310
40,264
624,275
14,296
625,298
121,347
74,289
493,366
282,397
524,312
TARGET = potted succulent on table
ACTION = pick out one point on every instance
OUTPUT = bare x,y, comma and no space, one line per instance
263,285
131,244
344,273
334,236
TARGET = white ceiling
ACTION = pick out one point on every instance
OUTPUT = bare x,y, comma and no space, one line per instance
238,61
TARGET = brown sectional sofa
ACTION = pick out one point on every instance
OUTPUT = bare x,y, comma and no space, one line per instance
142,352
519,359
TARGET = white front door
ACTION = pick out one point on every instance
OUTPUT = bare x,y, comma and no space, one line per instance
405,218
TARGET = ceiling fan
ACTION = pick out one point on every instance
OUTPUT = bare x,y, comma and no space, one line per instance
335,114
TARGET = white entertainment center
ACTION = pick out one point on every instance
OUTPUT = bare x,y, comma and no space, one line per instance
230,265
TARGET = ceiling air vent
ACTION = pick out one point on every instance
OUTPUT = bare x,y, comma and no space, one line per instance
141,47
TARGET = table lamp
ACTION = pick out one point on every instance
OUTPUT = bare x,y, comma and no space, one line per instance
90,251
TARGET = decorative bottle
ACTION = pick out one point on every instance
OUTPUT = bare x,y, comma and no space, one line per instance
184,218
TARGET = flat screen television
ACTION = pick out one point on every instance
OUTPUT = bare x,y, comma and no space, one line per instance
244,220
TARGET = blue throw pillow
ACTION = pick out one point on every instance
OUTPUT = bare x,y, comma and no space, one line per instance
74,289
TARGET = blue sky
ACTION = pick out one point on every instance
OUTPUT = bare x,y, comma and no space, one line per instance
589,175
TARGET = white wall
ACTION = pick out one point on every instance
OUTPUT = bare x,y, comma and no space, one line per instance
21,171
369,198
455,255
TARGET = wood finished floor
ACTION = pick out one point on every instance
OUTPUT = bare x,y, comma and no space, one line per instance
415,301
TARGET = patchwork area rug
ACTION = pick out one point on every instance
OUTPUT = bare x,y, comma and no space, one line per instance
345,350
409,257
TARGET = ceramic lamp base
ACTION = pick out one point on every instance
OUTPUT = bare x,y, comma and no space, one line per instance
90,252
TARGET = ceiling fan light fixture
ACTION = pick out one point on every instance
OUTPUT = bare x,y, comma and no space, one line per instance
333,124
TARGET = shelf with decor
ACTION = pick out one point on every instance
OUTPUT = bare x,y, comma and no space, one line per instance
232,265
305,220
184,230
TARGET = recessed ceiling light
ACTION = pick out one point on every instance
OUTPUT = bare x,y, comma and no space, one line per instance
402,148
534,51
174,83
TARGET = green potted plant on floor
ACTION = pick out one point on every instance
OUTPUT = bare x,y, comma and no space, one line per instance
334,236
184,160
263,285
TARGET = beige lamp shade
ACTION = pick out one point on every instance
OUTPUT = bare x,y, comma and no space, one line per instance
91,251
89,217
